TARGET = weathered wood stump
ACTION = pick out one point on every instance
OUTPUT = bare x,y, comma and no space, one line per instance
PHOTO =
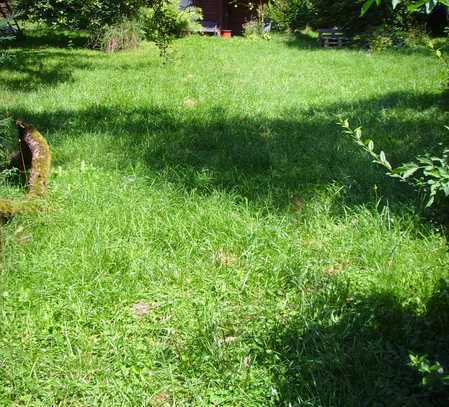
34,157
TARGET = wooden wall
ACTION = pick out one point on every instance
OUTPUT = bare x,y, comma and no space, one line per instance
226,14
213,10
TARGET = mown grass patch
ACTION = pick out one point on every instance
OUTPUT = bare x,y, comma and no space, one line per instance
212,238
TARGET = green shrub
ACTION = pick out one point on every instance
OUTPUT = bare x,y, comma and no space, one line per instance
345,14
252,29
255,27
380,40
80,14
433,375
429,174
416,36
400,29
118,37
169,19
284,13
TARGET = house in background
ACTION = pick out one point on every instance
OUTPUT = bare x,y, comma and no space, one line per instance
227,15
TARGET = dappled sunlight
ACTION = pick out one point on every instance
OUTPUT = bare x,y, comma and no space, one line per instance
213,238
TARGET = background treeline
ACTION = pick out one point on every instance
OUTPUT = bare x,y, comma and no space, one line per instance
345,14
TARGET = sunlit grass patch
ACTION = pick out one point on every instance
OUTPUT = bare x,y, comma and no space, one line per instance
212,239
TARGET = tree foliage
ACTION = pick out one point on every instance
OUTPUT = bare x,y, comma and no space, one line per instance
412,6
345,14
81,14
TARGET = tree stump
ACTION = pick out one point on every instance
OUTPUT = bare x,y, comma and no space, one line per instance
34,156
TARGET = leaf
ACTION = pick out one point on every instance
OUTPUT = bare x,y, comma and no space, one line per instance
430,201
370,145
366,6
424,160
415,6
431,5
407,170
395,3
446,188
384,161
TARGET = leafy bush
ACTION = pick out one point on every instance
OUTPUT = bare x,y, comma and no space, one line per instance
165,21
345,14
429,174
169,18
121,36
284,14
104,20
385,37
80,14
252,29
400,29
380,40
255,28
433,375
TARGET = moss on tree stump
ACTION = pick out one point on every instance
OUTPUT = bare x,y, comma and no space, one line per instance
34,156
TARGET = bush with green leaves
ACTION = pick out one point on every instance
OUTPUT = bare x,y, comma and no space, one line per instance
255,28
109,22
165,20
393,36
399,29
169,18
252,29
279,12
297,14
80,14
428,173
433,375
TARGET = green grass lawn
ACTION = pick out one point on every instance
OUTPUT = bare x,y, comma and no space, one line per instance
212,239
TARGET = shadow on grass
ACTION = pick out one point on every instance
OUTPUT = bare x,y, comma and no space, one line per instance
45,37
31,65
358,351
254,156
28,70
303,41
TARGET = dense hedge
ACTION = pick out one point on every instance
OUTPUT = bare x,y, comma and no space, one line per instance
345,14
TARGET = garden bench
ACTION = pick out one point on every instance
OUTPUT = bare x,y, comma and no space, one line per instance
209,27
332,38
